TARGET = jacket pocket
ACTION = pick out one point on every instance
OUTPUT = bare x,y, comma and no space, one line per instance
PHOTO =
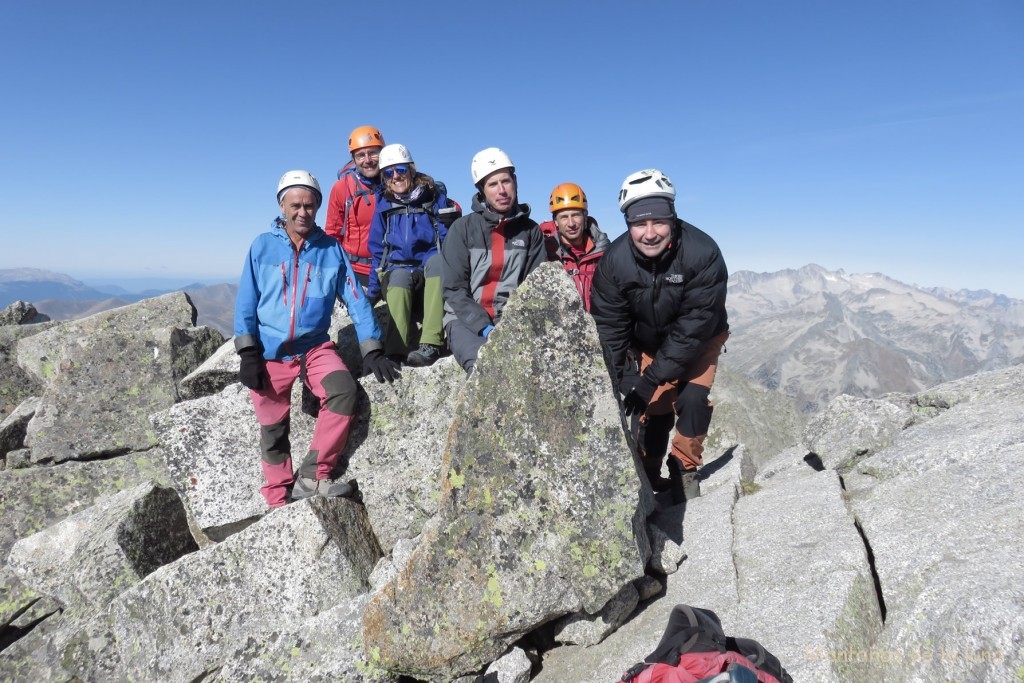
316,312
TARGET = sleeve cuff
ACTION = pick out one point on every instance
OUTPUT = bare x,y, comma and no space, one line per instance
246,341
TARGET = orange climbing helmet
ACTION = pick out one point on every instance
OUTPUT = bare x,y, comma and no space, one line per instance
567,196
365,136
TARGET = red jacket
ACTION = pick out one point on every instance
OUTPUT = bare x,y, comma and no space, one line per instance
349,215
580,265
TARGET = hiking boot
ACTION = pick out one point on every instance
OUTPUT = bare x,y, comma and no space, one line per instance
658,482
691,484
425,355
326,488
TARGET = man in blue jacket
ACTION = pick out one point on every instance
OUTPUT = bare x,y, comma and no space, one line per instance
286,295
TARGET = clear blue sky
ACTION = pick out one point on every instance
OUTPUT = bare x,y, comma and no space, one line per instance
873,136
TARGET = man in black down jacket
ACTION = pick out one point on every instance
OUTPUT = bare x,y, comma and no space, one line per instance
659,302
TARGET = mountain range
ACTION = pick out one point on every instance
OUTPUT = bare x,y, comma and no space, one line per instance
809,333
61,297
813,334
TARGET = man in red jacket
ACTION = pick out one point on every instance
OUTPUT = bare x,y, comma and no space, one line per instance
354,199
573,237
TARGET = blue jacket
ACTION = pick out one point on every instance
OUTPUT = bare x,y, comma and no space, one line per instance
407,240
286,297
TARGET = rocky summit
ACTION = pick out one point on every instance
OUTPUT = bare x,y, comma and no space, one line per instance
504,533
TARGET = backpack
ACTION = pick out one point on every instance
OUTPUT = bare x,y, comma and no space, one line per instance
695,648
451,209
355,191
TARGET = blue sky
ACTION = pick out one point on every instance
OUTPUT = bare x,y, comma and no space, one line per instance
146,139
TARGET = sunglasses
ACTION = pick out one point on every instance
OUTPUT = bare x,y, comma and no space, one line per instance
392,171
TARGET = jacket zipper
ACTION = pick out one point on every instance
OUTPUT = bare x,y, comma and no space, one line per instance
305,286
295,291
655,289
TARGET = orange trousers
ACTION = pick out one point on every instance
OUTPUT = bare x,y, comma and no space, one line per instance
687,399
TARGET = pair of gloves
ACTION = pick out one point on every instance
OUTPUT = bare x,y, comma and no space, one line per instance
250,369
636,390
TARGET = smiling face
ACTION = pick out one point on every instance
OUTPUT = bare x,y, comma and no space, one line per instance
366,159
298,206
499,190
398,178
651,237
572,224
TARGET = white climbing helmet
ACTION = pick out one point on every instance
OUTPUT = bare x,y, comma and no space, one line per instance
647,183
394,154
487,161
299,179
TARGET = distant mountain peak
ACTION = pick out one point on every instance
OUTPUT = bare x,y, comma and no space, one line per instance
37,275
814,333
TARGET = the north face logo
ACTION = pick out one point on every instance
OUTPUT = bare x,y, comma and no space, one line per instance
518,242
674,278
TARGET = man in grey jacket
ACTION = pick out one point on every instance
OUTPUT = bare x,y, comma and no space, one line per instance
487,254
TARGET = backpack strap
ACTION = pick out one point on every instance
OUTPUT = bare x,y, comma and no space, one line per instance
355,191
426,207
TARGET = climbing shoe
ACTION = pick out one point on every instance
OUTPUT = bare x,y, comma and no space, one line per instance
426,354
658,482
326,488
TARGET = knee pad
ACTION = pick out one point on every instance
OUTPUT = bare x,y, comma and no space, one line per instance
275,447
340,388
694,410
400,278
433,266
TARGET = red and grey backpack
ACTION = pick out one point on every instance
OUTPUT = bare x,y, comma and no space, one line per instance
695,649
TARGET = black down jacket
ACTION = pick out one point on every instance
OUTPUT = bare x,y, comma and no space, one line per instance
668,306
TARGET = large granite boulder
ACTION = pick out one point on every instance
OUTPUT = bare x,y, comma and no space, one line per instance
211,445
88,559
397,444
540,513
213,375
21,608
851,428
764,422
325,648
14,427
16,384
186,620
34,498
21,313
105,374
940,509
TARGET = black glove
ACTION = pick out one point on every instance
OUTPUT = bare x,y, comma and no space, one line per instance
250,370
382,367
638,396
630,376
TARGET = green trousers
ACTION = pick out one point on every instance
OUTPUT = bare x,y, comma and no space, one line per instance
412,297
